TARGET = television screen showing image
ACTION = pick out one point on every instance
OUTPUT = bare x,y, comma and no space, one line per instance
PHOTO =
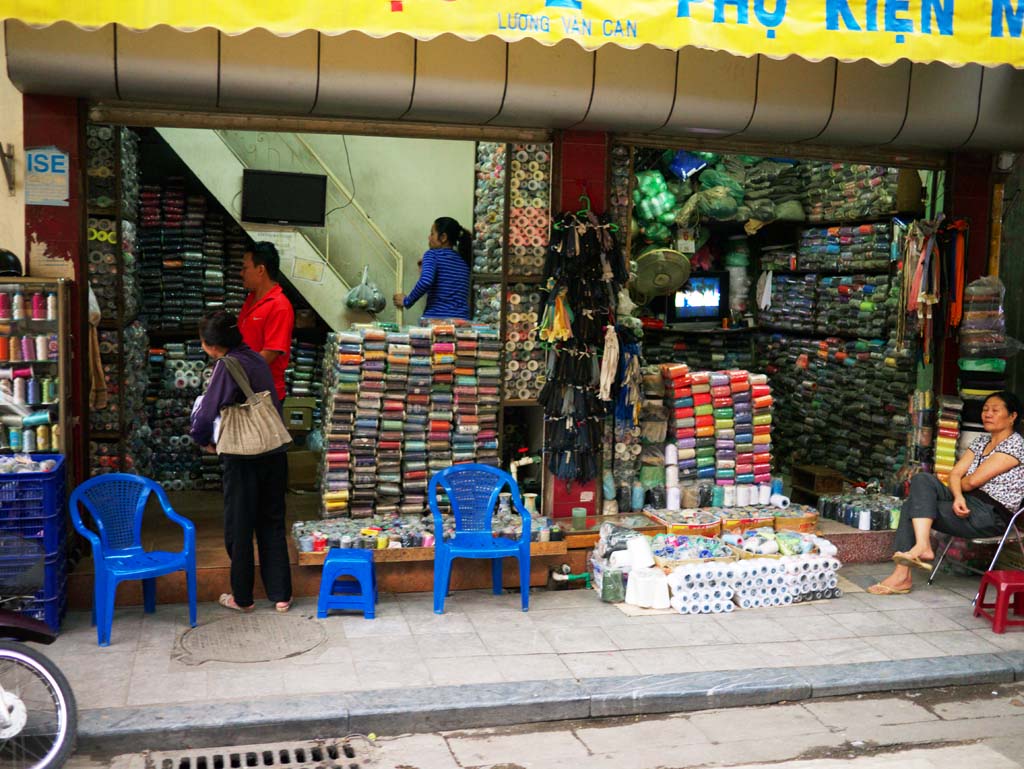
701,298
277,197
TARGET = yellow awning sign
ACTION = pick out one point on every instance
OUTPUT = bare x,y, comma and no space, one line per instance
969,31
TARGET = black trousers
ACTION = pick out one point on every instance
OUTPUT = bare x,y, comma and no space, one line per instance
254,490
929,498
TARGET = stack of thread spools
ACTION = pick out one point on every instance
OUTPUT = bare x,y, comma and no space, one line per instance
302,377
530,214
29,374
369,407
845,249
524,358
214,293
950,411
489,207
417,424
467,399
125,371
487,303
179,371
488,394
344,354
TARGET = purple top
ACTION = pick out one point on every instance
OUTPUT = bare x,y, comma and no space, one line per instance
224,391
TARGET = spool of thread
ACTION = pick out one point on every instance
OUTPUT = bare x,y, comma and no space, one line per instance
14,438
781,502
718,496
20,390
5,306
35,418
776,486
51,306
14,347
18,306
32,393
28,440
28,349
728,496
42,346
671,455
38,307
764,494
742,496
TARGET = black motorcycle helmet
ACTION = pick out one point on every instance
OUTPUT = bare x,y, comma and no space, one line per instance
10,265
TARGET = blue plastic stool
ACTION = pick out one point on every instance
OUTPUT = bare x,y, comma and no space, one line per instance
359,594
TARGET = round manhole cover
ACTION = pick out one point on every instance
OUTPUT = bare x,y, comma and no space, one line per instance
250,638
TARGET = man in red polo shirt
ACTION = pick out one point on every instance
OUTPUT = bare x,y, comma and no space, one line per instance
267,317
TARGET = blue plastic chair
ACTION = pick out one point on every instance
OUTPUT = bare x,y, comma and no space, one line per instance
473,490
117,503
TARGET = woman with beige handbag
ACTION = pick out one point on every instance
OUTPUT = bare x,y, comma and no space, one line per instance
251,441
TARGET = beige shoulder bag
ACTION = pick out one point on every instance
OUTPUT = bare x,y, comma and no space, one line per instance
253,427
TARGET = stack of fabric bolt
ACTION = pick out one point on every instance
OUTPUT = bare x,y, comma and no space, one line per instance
529,217
467,412
369,409
783,258
761,402
392,432
846,249
489,208
711,352
703,430
813,381
193,260
415,474
524,359
442,398
173,244
102,239
723,421
150,240
853,305
950,411
213,262
235,244
679,398
489,394
341,379
793,303
847,192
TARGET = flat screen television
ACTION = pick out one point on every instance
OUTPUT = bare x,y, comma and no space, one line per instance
279,197
704,298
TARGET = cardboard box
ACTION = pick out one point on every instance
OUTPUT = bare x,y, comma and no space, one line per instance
302,468
298,413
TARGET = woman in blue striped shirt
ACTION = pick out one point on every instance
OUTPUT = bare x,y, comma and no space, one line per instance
444,272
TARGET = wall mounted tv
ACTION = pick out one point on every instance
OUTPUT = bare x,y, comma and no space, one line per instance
278,197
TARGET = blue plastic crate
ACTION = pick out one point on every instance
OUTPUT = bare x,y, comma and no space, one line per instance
55,572
32,505
49,610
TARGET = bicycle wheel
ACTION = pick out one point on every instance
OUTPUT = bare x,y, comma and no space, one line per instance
39,720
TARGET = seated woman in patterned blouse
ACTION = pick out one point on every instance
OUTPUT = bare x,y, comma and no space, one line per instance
985,489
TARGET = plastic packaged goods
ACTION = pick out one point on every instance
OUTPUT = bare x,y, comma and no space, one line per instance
489,207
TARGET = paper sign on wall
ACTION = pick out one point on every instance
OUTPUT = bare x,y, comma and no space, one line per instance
47,176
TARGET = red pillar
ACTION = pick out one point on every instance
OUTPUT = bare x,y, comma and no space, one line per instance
970,198
583,168
55,121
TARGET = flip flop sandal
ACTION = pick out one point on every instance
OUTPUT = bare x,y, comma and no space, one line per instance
881,589
905,560
283,606
228,602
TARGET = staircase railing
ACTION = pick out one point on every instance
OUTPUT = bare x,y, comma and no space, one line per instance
357,238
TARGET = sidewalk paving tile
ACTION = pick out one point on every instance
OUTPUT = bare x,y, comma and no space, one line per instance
866,711
758,723
599,664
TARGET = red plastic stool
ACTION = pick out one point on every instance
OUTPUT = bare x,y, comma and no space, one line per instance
1008,584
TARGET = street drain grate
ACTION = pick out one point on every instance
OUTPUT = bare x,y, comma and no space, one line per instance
315,754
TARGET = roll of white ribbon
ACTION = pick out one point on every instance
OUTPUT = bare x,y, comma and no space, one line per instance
672,496
671,455
672,478
639,549
764,494
779,501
